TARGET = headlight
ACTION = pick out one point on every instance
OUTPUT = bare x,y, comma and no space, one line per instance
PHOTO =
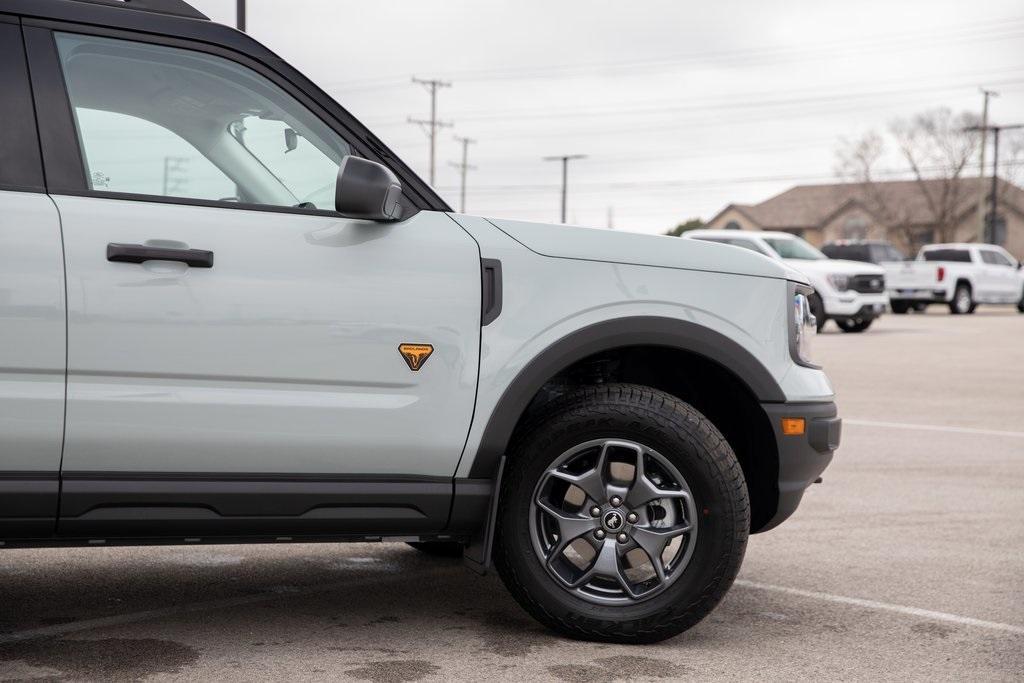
803,326
840,282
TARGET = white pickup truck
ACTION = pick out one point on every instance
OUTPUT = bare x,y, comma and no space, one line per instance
960,275
850,292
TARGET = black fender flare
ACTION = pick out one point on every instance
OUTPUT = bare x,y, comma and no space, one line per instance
606,336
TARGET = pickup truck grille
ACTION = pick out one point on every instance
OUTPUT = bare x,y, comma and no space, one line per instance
868,284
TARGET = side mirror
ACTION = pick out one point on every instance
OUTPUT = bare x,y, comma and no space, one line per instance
367,190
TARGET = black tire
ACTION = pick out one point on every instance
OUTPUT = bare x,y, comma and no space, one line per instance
854,325
1020,304
817,310
899,307
684,437
439,548
962,302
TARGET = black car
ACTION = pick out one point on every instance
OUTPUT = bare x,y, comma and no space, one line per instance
869,251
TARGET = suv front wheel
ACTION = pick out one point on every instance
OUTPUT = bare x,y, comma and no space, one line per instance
623,516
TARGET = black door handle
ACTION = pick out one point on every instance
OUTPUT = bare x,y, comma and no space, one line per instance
138,253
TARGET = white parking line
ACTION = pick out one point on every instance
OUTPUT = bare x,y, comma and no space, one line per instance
932,428
276,593
886,607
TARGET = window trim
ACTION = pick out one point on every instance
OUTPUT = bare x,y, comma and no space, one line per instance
22,169
64,167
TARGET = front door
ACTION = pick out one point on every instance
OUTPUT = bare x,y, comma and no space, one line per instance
247,374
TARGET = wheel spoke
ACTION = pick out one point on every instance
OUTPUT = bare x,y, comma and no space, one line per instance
607,564
592,481
570,526
643,491
653,542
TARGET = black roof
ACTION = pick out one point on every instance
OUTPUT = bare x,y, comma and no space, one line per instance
164,17
177,7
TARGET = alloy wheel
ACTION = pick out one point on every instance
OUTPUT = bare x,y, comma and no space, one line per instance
613,521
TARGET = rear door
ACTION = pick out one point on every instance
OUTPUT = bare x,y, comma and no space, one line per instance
32,311
1005,275
247,376
989,279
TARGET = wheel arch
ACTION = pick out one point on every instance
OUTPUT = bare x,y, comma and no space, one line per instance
667,354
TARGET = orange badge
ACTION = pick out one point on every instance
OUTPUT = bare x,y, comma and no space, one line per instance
415,354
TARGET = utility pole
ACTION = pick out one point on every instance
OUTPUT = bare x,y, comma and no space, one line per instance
611,217
431,125
981,164
989,234
565,159
240,15
463,167
175,175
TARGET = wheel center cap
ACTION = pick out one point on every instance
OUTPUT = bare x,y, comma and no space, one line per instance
613,520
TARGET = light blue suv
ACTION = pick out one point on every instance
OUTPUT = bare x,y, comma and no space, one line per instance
229,313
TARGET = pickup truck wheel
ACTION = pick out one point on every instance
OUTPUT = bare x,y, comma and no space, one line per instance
854,324
899,307
817,309
623,515
439,548
962,302
1020,304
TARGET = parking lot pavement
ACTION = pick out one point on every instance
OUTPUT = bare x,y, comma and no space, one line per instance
906,563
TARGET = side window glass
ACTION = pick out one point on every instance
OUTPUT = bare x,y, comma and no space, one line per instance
157,120
1000,259
746,244
127,154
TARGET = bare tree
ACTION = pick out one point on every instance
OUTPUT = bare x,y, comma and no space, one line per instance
937,149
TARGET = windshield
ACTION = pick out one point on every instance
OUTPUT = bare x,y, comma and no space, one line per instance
793,247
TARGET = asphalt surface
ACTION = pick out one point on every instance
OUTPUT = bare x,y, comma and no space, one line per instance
906,563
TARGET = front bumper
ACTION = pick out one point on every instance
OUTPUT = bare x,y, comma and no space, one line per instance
802,458
855,304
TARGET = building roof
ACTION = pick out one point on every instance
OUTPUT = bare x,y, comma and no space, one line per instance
812,206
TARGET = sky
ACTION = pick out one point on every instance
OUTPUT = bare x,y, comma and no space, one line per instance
681,108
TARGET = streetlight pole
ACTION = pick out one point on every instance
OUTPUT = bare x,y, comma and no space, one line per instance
565,159
240,15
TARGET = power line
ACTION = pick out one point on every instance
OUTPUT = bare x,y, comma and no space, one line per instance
771,110
987,31
565,159
705,182
431,125
463,167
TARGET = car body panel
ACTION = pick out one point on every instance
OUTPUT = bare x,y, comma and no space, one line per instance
613,246
283,357
548,298
32,334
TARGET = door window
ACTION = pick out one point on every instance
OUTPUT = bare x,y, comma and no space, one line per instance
156,120
995,258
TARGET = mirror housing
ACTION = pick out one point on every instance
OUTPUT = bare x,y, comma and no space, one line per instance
367,190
